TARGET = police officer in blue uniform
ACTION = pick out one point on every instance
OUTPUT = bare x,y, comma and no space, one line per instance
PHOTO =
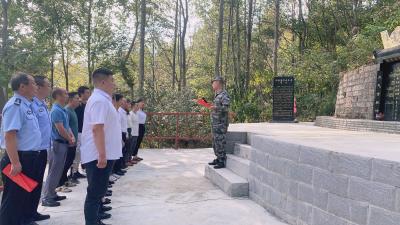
20,136
40,109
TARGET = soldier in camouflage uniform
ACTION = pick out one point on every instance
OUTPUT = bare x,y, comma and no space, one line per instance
219,122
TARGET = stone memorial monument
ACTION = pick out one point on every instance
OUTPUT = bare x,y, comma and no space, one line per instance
283,99
368,98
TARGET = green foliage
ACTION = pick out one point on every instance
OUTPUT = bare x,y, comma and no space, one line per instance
337,36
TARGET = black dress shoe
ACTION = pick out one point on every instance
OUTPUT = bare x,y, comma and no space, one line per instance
31,223
40,217
79,175
75,181
111,182
219,165
104,216
101,223
213,163
59,198
50,203
119,173
108,194
106,201
109,186
105,208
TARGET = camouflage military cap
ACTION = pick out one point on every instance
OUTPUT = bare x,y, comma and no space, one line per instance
218,78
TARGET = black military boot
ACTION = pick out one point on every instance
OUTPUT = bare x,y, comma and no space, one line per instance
213,163
219,165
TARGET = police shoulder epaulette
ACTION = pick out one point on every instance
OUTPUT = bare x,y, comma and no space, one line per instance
17,101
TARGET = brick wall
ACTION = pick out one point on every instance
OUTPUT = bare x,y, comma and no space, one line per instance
392,127
356,93
309,186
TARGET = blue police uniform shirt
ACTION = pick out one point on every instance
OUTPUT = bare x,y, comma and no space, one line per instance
42,113
58,115
19,116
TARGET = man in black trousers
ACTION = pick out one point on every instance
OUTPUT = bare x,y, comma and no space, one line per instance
142,116
41,111
101,142
21,137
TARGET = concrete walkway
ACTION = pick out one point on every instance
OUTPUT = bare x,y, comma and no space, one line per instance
167,188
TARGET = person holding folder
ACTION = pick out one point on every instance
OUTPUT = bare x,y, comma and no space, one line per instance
21,137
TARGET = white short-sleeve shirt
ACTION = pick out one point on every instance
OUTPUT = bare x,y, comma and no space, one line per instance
142,116
100,110
133,121
124,119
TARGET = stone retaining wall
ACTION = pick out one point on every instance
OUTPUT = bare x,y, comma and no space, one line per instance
356,93
358,125
309,186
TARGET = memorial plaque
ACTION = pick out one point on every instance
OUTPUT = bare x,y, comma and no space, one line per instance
392,101
379,98
283,99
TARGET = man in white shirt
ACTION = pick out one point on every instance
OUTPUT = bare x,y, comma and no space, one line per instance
133,124
142,116
123,114
101,142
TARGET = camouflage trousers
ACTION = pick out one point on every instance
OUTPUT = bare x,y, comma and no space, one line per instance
219,142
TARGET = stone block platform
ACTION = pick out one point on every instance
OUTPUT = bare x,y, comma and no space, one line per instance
311,175
391,127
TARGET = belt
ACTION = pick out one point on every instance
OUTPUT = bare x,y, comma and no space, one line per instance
33,152
26,153
61,141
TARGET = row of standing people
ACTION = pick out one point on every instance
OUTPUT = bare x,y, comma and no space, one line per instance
32,136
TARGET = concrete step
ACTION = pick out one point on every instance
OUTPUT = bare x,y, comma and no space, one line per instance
231,183
242,150
238,165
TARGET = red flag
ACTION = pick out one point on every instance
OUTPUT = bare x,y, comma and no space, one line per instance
21,179
204,103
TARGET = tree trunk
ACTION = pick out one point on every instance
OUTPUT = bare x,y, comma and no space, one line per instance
4,51
248,44
88,41
153,63
134,35
142,40
229,37
179,80
238,76
293,18
175,44
3,97
185,17
219,39
124,61
276,37
303,33
52,71
4,31
63,55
